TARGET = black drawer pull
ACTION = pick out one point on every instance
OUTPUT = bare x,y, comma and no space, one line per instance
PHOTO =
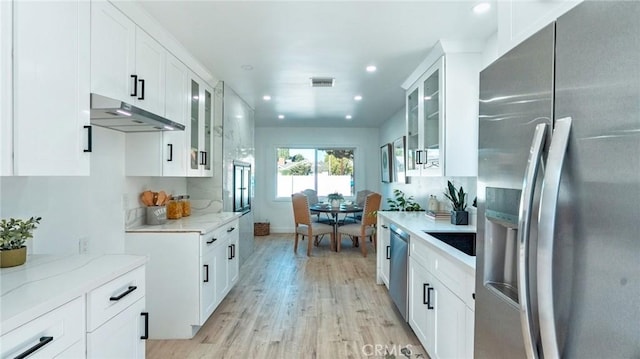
212,240
230,252
43,341
170,159
424,293
142,90
384,226
135,85
89,139
146,325
429,304
129,290
388,252
231,229
206,272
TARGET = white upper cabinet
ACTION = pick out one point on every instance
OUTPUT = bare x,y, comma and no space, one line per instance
113,50
127,63
51,83
442,118
6,90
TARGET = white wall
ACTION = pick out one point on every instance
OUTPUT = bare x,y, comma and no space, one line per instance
91,209
279,212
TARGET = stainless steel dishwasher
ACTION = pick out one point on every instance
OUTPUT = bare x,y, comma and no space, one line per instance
398,268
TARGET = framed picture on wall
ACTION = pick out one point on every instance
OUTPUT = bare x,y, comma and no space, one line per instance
385,162
399,160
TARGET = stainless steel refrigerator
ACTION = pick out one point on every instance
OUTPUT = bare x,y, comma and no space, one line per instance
558,243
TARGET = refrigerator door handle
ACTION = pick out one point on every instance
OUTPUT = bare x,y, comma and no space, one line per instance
546,229
524,224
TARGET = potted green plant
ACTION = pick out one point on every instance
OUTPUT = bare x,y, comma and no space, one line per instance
402,202
13,233
335,199
458,200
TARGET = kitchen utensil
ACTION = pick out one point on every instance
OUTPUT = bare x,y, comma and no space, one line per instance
162,198
147,198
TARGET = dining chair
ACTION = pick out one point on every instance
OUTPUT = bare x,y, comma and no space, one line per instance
360,197
312,198
304,226
366,227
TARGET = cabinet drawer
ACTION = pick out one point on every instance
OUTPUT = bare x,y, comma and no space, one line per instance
113,297
212,239
422,253
54,331
452,276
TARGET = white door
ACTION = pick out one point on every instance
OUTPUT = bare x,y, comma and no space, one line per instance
234,262
113,41
222,254
450,323
420,308
51,88
121,336
150,69
208,285
175,148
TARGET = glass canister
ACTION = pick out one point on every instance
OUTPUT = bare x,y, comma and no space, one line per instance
174,208
186,205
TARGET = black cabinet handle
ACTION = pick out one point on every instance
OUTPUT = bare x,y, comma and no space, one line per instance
388,252
429,304
141,89
229,230
424,293
473,295
419,159
43,341
127,292
212,240
170,152
89,139
146,325
206,272
384,226
135,85
230,252
203,158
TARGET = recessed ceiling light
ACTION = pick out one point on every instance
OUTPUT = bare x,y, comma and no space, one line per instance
348,117
357,98
246,67
482,7
371,68
281,117
266,98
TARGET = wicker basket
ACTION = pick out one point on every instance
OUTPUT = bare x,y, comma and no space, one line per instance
261,229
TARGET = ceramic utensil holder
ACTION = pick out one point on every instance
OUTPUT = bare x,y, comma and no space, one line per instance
156,215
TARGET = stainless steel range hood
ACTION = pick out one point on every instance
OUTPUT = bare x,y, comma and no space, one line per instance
121,116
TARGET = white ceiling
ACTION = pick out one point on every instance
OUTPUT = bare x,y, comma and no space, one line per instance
287,42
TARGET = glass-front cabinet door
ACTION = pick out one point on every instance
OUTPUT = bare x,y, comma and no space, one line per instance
194,135
431,164
425,123
208,128
413,132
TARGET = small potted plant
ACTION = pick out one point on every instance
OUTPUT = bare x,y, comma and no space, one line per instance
335,199
458,200
13,234
402,203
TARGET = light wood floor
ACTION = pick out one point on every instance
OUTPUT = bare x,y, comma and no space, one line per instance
290,306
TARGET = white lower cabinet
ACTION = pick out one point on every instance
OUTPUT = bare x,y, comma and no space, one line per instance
440,318
188,275
384,251
122,336
49,335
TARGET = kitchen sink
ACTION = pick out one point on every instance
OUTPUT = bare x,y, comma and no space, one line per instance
464,242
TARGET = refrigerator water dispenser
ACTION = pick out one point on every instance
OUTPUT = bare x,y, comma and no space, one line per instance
501,244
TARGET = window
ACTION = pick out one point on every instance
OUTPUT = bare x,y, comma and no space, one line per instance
327,170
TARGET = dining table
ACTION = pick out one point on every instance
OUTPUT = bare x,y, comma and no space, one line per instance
335,212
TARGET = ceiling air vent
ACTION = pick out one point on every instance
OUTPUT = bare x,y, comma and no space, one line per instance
322,81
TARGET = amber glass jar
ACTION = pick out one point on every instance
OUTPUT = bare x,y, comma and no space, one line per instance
186,206
174,208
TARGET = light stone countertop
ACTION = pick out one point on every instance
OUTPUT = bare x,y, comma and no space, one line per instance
46,282
416,222
202,222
